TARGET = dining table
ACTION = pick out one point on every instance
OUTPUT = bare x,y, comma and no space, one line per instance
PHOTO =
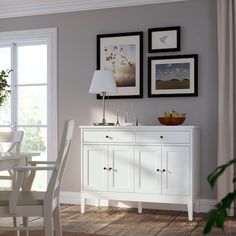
9,160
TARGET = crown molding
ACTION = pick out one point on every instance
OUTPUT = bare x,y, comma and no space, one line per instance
17,9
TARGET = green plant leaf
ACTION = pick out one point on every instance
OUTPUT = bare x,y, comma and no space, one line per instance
228,199
211,221
208,226
234,179
213,177
219,214
4,87
221,217
216,218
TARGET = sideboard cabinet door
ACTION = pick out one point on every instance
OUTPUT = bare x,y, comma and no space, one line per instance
148,169
176,170
121,164
95,164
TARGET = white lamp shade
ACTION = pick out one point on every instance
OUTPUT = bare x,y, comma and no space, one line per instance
103,81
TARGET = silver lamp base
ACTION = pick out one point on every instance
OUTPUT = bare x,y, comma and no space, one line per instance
103,123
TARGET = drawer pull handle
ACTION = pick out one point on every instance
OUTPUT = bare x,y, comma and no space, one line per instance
108,137
161,136
105,168
163,170
158,170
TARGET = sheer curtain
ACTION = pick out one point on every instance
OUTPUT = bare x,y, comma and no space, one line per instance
226,16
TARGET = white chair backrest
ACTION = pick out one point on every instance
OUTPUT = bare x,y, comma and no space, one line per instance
53,189
14,138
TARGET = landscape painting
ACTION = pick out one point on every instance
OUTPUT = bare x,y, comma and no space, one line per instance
172,76
122,53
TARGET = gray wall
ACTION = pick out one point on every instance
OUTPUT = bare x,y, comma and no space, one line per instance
77,61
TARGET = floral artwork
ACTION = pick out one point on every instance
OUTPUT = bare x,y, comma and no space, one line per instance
120,59
122,54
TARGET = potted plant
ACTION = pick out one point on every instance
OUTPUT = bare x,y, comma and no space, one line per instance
219,214
4,87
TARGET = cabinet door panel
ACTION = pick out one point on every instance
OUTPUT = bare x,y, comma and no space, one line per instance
121,176
95,159
147,169
176,177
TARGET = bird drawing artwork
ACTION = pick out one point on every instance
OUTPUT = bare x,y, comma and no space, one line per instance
164,39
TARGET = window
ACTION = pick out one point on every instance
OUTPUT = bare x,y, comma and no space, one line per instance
32,105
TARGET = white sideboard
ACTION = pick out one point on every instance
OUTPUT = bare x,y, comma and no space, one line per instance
141,163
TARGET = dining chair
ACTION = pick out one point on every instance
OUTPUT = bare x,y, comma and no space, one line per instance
13,141
23,202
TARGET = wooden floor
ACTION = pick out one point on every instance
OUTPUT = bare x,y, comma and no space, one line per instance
126,221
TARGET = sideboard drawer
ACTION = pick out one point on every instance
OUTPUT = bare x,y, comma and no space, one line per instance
162,137
108,137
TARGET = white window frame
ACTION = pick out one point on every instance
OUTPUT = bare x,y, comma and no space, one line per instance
48,35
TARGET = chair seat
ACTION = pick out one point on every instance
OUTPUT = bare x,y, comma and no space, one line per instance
25,198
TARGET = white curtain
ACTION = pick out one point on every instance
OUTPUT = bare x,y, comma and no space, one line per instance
226,16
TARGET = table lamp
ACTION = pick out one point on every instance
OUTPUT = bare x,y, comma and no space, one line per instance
103,82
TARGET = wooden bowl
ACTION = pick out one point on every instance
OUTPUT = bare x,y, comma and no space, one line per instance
171,120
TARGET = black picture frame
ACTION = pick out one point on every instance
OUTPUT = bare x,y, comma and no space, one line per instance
123,54
165,39
173,76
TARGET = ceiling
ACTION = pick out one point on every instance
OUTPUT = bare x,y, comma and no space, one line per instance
15,8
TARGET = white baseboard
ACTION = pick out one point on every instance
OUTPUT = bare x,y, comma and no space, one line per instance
207,204
74,198
70,198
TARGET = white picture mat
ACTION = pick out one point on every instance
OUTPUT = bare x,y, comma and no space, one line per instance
164,39
172,91
124,40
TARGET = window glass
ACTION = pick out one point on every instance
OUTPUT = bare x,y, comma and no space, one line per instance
5,58
5,63
32,105
35,140
32,64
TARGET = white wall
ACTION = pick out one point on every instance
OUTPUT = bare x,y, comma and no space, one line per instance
77,61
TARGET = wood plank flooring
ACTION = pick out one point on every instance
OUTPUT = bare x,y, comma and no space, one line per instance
126,221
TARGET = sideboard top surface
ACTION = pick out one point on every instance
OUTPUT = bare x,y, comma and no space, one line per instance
156,127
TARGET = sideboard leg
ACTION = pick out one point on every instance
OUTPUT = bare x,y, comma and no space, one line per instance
140,207
190,211
97,203
82,204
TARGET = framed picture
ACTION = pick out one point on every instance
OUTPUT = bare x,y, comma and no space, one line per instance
173,76
122,53
165,39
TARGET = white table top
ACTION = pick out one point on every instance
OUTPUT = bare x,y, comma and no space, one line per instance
12,155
